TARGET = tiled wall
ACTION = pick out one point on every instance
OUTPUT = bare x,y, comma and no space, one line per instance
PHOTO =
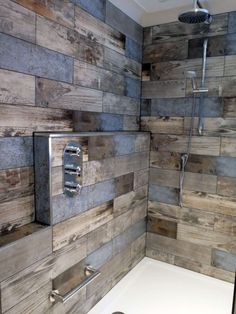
201,235
57,60
68,65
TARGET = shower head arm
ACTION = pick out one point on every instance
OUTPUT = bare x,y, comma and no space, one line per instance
199,4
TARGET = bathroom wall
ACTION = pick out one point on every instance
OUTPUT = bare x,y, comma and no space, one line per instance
66,63
57,59
201,235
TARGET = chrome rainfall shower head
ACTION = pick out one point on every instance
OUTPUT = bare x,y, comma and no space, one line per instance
197,15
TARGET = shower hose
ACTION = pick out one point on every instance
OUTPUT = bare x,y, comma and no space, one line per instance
185,156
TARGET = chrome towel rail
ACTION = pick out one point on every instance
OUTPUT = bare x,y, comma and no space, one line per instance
90,274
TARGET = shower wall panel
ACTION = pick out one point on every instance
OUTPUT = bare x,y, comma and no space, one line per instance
201,235
56,59
62,60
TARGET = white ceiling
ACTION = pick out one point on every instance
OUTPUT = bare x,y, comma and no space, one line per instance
159,5
153,12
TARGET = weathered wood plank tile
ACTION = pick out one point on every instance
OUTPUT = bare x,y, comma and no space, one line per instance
185,249
59,11
133,49
93,122
122,241
131,123
123,23
134,200
224,260
88,75
216,47
226,186
193,181
120,64
37,302
178,31
230,62
17,21
96,171
138,248
232,24
178,144
54,94
31,119
228,84
17,88
101,147
160,256
95,7
68,41
163,194
90,197
176,70
147,35
70,230
28,250
165,52
16,213
120,104
166,125
19,148
165,160
221,166
99,237
202,236
16,183
132,88
204,269
182,215
229,110
182,107
210,202
163,89
141,178
18,55
225,224
98,31
162,227
228,147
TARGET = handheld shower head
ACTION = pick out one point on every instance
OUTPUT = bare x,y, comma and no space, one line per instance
192,75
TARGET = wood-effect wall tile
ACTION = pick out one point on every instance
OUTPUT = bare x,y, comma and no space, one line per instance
54,94
18,55
19,148
17,21
31,119
120,21
97,8
165,52
17,88
98,31
60,11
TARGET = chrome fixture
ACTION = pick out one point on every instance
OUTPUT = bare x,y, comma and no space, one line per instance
196,91
197,15
72,163
90,274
